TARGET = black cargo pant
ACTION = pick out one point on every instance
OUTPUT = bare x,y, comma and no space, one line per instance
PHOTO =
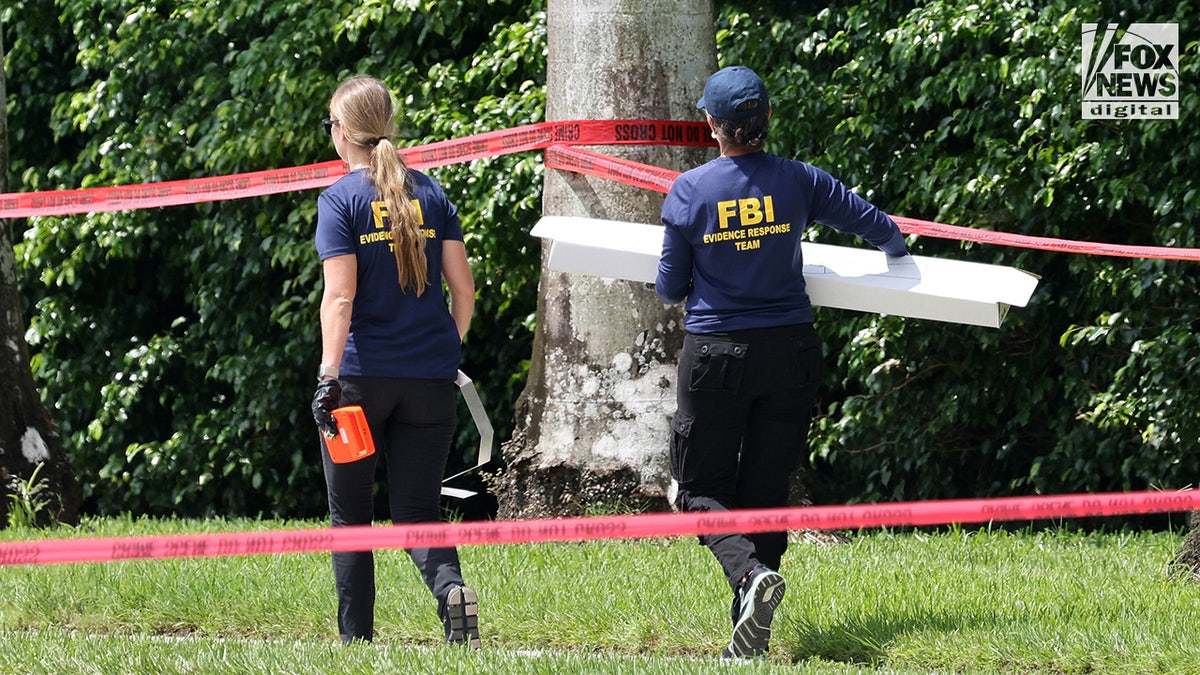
412,423
744,403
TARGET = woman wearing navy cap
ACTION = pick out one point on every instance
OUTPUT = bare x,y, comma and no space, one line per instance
751,360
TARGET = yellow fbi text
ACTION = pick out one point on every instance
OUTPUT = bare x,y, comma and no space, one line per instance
383,232
749,211
755,219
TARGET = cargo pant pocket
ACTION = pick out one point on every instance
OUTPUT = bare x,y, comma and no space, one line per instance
681,443
718,365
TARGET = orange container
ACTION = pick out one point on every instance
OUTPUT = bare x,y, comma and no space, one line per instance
353,441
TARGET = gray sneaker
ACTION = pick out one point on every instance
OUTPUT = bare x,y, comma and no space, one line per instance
758,597
462,617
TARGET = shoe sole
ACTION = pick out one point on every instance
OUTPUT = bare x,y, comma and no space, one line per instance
462,606
752,634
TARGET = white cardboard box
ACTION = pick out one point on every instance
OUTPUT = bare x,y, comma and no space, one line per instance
861,279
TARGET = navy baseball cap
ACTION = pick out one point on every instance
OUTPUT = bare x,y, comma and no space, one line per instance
729,88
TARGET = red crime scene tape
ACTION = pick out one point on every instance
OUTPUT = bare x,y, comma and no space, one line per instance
441,153
655,178
362,538
558,139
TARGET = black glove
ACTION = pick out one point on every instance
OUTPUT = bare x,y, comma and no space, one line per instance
329,394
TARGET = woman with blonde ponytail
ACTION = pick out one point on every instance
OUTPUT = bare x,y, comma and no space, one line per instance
390,343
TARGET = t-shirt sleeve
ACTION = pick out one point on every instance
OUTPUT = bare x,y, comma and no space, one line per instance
335,228
453,226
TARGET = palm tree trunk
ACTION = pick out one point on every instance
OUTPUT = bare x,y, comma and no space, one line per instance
592,425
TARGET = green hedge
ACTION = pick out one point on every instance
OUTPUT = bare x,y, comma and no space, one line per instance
970,113
175,347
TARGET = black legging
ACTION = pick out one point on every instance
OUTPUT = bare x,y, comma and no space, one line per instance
412,423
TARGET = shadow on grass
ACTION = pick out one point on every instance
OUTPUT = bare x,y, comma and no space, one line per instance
866,642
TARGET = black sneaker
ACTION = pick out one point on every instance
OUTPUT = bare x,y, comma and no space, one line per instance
462,617
755,606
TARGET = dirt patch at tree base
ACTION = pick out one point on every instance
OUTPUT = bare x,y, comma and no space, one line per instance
1187,558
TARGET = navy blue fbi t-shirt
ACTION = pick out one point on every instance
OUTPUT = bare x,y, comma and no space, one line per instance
731,241
393,333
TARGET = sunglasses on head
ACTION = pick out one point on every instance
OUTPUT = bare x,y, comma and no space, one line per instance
328,123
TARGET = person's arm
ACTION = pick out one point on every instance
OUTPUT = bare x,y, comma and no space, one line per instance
673,283
337,301
836,206
674,280
457,272
897,246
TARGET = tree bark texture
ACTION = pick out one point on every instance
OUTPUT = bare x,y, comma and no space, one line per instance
1187,558
593,423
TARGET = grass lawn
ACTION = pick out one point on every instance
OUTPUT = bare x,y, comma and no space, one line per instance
969,601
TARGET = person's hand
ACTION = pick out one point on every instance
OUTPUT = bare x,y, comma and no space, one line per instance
329,394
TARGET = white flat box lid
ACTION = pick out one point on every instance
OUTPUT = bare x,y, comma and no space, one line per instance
859,279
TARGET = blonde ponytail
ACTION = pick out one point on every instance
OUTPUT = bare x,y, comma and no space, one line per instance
391,178
364,107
